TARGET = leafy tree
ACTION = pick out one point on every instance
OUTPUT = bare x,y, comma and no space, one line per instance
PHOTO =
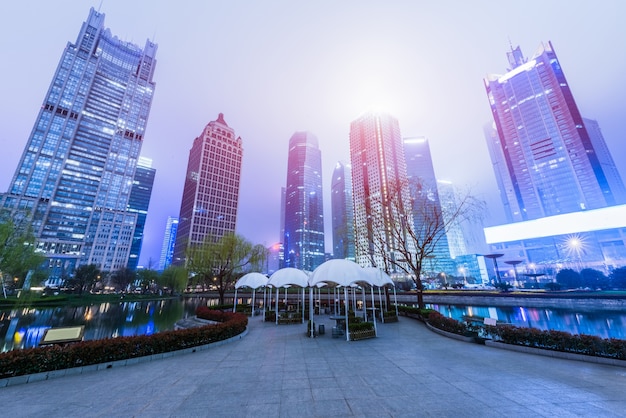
618,278
146,278
84,277
17,247
407,225
594,279
174,278
122,278
569,279
222,261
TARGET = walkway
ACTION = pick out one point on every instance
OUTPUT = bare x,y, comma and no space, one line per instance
275,371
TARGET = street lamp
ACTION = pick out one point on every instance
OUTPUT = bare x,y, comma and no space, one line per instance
514,263
494,257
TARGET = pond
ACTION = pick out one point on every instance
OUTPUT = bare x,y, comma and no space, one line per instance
24,327
602,323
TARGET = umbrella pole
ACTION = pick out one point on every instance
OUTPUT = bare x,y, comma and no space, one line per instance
373,310
345,298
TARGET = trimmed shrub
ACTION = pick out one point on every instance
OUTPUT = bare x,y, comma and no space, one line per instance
361,326
84,353
559,341
447,324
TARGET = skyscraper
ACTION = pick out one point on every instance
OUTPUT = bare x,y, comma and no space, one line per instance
208,209
167,250
304,209
426,201
138,203
76,173
548,159
342,211
378,176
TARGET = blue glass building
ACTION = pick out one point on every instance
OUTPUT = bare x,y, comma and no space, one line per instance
169,239
138,203
343,211
75,176
547,158
304,210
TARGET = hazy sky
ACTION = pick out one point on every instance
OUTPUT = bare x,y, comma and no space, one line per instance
276,67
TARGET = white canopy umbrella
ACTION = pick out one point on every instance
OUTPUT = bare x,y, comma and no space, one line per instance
287,277
252,280
342,273
382,279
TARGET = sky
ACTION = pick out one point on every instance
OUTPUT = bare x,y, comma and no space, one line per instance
277,67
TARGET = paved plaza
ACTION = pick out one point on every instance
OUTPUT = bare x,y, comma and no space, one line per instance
275,371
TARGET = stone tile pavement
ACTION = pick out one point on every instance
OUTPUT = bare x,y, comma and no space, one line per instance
275,371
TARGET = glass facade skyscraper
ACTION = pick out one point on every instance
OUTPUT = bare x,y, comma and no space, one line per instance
138,203
167,250
342,211
378,176
208,209
75,176
303,241
426,201
548,159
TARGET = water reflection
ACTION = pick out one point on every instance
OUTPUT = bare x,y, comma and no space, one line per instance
24,328
605,324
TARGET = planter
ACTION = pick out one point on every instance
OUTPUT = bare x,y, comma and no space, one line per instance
388,319
362,335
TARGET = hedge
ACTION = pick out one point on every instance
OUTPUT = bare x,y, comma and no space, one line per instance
84,353
559,341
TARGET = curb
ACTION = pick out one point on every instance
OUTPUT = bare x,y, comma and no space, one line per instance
556,354
53,374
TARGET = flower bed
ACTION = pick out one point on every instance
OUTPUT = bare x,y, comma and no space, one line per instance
84,353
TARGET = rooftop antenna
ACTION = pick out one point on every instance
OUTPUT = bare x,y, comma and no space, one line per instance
100,6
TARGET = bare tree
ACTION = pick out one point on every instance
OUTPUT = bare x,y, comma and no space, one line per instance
224,260
409,237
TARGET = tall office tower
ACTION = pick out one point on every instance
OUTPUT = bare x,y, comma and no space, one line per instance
75,176
378,176
343,211
208,209
426,202
549,159
138,203
457,242
304,209
167,250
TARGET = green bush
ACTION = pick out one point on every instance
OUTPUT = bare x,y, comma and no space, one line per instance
361,326
84,353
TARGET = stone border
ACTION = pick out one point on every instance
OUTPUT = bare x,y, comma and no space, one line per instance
556,354
52,374
450,334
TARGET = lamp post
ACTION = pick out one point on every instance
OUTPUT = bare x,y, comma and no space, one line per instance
514,263
494,257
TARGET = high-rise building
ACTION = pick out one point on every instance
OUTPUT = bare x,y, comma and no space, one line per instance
208,209
76,173
378,176
304,209
548,159
426,202
342,211
138,203
169,239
